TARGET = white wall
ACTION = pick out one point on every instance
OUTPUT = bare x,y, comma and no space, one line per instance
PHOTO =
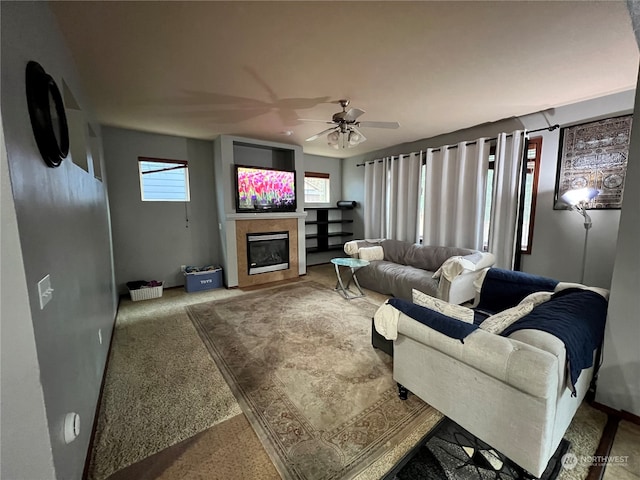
151,240
62,219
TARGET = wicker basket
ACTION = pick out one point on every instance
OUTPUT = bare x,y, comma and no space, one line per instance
146,293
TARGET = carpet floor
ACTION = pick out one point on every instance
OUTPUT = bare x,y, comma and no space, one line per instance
167,412
300,362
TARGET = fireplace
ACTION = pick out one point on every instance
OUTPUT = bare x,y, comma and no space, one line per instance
267,252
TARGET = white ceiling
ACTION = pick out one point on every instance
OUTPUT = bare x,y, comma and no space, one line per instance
256,68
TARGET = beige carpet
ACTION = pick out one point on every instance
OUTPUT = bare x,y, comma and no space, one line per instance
161,386
300,362
167,411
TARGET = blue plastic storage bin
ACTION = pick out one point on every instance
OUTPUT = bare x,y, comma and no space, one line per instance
199,281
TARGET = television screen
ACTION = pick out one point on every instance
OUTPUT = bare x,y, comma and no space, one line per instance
264,190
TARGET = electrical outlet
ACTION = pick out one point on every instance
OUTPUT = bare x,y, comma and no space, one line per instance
45,292
183,268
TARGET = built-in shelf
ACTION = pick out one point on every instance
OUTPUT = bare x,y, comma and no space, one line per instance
320,219
338,246
326,222
330,234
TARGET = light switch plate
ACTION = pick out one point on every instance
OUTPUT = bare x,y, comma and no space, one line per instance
45,292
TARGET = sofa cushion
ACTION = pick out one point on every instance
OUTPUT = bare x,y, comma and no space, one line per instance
498,322
425,257
502,289
371,253
458,312
397,280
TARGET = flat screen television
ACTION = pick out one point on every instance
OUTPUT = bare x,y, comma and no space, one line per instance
261,189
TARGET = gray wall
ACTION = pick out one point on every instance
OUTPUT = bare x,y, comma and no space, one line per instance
558,234
151,240
25,444
619,384
63,225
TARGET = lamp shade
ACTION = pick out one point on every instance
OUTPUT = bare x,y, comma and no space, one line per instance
579,195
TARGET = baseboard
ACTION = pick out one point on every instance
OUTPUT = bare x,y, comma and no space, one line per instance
620,414
596,472
94,426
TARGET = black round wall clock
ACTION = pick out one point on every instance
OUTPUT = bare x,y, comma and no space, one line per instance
48,118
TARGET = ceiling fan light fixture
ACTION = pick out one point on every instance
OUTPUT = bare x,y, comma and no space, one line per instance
333,138
345,131
354,138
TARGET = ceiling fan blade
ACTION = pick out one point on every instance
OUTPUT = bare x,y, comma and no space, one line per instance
317,135
315,120
352,114
379,124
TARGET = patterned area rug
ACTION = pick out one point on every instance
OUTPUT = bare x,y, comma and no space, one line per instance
452,453
300,362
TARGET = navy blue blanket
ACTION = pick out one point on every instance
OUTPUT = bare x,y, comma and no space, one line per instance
448,326
502,289
576,317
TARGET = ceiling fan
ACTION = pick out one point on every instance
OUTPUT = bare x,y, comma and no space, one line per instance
345,130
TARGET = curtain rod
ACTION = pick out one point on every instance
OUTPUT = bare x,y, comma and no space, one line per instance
551,129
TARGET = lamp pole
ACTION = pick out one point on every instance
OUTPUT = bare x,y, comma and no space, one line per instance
580,208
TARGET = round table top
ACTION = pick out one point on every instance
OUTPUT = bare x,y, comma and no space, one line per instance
350,262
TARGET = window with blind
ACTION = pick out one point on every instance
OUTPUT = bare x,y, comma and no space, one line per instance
316,187
163,180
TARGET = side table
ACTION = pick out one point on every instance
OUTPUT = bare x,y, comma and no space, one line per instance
353,264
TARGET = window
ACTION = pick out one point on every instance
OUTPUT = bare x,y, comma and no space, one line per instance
163,180
534,153
316,187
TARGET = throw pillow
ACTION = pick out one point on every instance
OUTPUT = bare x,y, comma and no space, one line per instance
445,308
498,322
537,298
371,253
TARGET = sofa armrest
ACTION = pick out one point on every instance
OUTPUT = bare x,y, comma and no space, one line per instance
456,283
522,366
351,247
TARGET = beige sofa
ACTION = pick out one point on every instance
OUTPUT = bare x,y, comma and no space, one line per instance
443,272
511,392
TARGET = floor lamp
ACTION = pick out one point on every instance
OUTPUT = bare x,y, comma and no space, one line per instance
578,199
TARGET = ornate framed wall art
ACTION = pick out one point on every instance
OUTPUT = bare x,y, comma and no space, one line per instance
594,155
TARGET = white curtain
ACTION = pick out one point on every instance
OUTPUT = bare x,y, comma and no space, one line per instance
392,187
506,198
375,198
403,193
455,189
